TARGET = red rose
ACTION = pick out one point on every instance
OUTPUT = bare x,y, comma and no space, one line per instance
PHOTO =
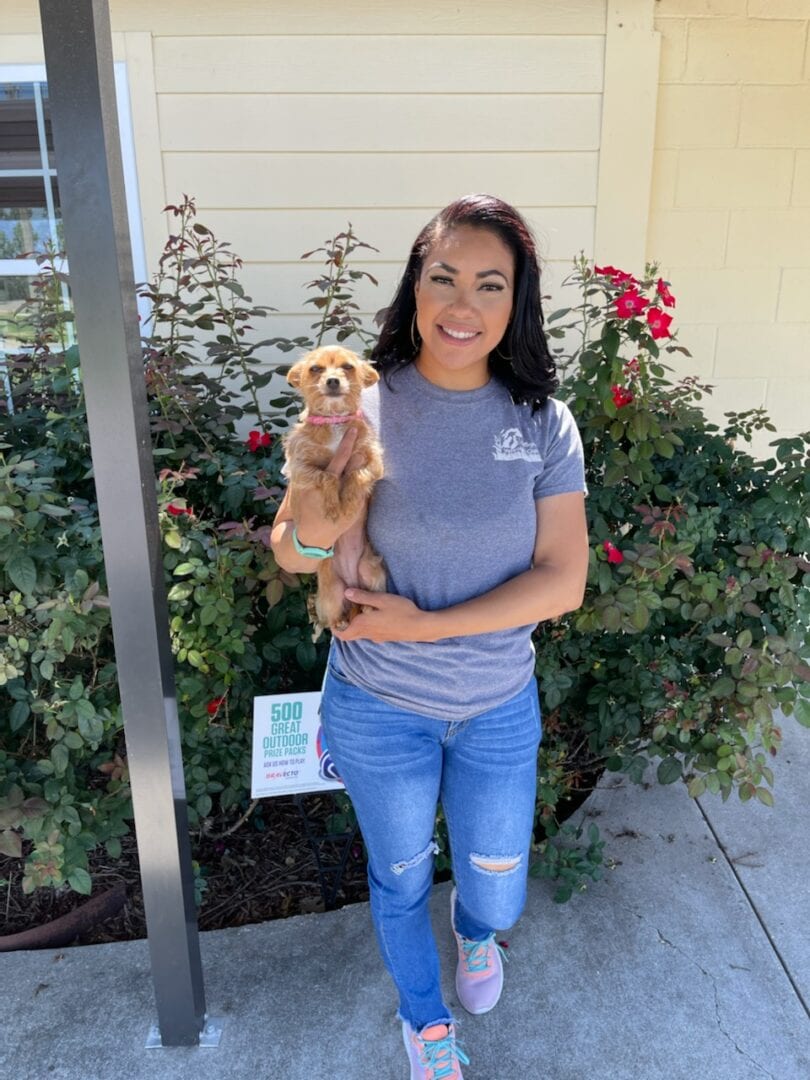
665,294
613,553
214,706
620,278
621,397
659,322
630,303
258,439
176,511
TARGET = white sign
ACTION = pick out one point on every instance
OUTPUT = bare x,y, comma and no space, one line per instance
289,749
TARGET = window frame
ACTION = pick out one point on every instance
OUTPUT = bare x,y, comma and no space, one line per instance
36,73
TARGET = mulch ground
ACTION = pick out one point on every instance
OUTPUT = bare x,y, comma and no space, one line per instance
266,869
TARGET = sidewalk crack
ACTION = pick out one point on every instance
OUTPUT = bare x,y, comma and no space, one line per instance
709,975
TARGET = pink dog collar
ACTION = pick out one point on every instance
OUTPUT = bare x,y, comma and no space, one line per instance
335,419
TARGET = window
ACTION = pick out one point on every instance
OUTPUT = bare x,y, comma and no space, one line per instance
30,217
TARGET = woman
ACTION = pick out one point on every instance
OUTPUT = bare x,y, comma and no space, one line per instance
431,696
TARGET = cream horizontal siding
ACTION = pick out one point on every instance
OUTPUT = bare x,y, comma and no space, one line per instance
347,180
319,123
382,64
335,18
729,213
279,236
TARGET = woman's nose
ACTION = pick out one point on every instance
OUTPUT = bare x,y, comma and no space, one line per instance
463,300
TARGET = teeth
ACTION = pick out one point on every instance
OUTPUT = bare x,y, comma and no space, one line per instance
460,334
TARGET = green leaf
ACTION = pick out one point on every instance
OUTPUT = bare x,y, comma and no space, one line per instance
113,846
10,843
79,880
85,710
696,786
764,796
59,757
73,740
724,687
181,591
203,805
640,617
802,712
173,539
6,513
208,615
669,770
23,572
610,342
20,711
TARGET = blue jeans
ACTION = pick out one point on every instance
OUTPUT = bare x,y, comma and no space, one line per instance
397,766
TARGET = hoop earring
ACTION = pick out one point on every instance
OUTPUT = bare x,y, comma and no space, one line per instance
503,355
414,332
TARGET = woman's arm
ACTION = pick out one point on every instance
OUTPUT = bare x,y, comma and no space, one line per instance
554,585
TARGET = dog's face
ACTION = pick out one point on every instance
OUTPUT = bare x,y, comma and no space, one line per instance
330,380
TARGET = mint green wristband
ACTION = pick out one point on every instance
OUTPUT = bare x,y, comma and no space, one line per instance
311,552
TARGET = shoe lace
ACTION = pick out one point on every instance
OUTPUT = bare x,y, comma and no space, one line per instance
477,955
441,1056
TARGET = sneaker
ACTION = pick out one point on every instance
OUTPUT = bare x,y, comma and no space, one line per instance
479,974
434,1054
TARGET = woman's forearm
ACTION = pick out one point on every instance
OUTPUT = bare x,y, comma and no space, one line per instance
543,592
284,551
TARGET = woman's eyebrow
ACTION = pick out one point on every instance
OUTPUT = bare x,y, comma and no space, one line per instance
480,274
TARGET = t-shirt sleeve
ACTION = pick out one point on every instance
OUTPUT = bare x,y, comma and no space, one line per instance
563,467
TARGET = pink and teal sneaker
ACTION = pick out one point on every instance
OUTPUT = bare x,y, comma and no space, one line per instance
479,974
434,1054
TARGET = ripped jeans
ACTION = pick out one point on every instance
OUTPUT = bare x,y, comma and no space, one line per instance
397,766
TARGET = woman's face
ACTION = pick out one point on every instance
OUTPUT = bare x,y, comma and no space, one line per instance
464,298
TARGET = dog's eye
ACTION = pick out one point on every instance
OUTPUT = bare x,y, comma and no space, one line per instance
347,367
315,370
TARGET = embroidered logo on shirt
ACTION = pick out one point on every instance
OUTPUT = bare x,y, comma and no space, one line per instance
510,445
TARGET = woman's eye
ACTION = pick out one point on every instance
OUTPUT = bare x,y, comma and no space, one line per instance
441,280
493,285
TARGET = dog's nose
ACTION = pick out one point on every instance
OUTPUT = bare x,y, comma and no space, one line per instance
333,383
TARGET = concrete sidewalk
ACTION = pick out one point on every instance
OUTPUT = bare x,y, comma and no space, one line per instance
690,960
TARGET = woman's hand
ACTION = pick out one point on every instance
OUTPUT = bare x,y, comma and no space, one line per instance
315,529
394,618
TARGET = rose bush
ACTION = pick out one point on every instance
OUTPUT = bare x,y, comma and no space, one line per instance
694,628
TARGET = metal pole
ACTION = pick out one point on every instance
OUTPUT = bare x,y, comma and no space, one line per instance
79,62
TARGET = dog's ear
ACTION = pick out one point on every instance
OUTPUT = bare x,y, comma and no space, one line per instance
295,374
369,375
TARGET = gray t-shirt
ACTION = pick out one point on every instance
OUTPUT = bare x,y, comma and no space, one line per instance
454,517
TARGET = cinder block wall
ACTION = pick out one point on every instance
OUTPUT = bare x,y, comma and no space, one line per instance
730,203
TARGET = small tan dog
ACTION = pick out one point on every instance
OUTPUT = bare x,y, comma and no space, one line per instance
330,380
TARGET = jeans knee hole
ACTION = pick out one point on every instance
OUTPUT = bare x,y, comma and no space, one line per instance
489,864
408,864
